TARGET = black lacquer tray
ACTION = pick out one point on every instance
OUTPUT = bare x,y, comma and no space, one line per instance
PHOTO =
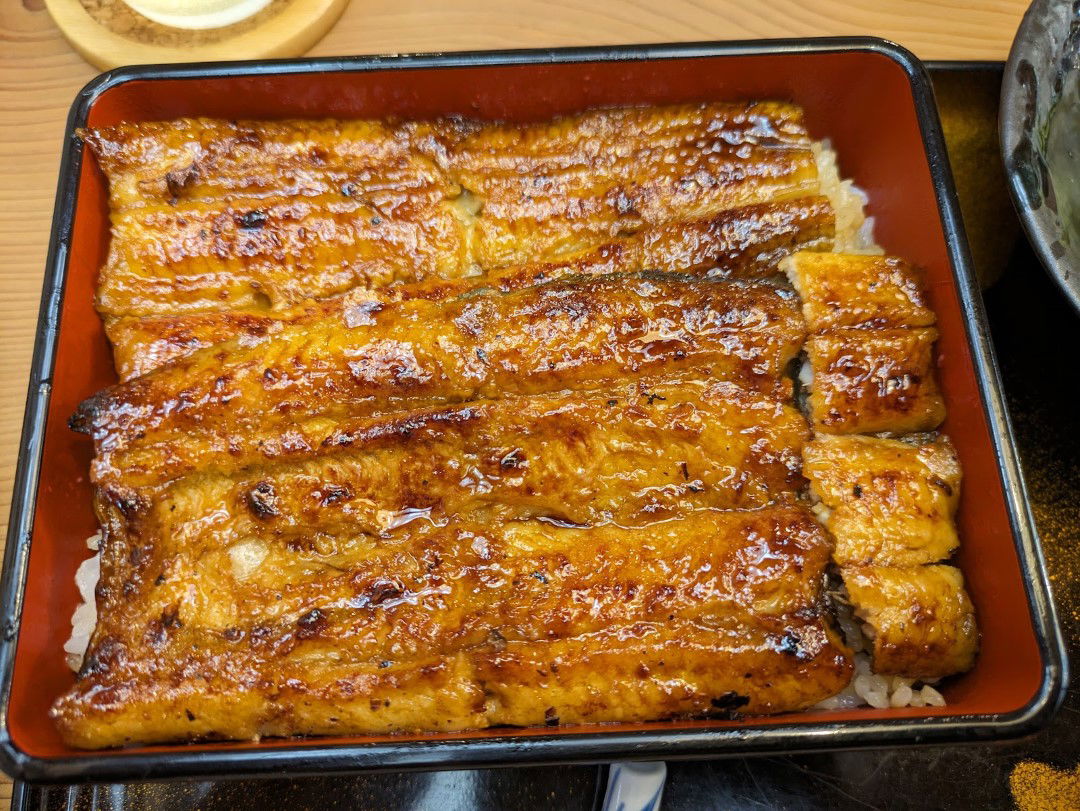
1028,320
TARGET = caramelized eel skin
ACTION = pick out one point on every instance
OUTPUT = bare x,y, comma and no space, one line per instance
556,186
210,215
871,345
852,290
923,620
213,215
409,440
743,243
874,380
418,353
891,503
457,626
633,455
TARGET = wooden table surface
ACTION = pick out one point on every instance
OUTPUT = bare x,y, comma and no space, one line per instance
40,74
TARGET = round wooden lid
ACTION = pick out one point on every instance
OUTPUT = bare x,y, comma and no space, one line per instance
286,28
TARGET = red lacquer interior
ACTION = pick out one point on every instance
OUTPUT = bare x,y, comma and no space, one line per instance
862,101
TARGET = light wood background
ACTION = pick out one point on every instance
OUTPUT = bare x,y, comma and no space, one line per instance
40,74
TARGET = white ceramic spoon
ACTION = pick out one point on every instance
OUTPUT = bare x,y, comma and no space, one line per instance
635,786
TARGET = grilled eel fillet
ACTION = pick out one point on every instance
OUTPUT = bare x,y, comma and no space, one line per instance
559,185
743,243
212,215
209,215
869,381
291,387
887,502
922,619
871,344
632,454
581,457
890,504
332,631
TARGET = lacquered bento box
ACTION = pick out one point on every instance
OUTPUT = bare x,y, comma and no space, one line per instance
871,98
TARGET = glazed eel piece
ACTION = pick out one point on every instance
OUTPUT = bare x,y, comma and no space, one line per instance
211,215
291,387
326,630
891,507
562,185
629,452
742,243
890,502
871,344
632,454
887,502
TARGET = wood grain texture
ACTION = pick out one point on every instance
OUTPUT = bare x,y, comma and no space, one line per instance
286,33
40,74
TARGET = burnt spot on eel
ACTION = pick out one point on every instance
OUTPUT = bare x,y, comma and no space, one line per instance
729,702
252,220
310,624
262,500
333,493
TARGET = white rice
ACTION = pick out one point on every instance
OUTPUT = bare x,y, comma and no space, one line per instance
854,230
806,375
881,692
84,619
